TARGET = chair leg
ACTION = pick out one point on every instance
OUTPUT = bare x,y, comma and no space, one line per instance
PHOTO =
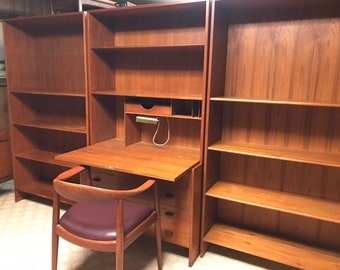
119,259
55,244
158,232
159,245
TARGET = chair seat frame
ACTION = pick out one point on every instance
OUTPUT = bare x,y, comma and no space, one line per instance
88,193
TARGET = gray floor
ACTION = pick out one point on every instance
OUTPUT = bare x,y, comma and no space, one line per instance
25,243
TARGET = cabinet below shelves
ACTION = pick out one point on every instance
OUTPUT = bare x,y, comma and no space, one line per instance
272,248
276,200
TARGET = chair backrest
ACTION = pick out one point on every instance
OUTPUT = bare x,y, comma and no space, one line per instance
84,193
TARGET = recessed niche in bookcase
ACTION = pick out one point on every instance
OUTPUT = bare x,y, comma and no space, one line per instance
157,73
47,88
46,53
157,52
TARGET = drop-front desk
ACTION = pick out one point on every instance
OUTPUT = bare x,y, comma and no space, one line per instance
180,224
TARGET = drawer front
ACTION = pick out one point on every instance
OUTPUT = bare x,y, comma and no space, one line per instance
174,203
175,194
175,227
154,110
175,224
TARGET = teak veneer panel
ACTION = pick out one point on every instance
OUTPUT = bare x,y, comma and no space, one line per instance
287,252
276,200
285,54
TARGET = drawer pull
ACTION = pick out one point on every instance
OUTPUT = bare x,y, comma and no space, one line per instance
169,195
169,214
168,233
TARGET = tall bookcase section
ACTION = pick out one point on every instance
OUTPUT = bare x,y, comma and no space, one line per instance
272,167
47,96
150,61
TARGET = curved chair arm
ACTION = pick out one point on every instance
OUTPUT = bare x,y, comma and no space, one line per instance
69,173
84,193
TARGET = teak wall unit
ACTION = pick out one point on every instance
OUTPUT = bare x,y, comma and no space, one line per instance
151,61
272,159
137,61
45,64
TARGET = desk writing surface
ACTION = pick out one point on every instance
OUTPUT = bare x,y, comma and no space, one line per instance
165,163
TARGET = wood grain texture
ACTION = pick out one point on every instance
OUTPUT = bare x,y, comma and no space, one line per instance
297,255
138,158
285,202
293,60
272,127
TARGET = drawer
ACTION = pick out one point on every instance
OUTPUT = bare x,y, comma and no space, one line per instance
158,110
175,194
176,228
174,202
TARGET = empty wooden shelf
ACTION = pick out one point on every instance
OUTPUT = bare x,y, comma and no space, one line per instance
47,90
272,161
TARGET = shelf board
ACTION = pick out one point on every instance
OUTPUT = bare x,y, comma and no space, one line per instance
40,188
129,93
277,102
44,157
272,248
276,200
38,93
54,126
281,153
32,23
175,47
178,116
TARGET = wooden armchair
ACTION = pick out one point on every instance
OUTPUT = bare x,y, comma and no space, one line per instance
101,219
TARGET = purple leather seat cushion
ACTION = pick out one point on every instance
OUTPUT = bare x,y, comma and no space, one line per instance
97,221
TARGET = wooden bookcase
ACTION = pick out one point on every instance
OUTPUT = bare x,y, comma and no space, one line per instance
47,93
272,156
150,61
